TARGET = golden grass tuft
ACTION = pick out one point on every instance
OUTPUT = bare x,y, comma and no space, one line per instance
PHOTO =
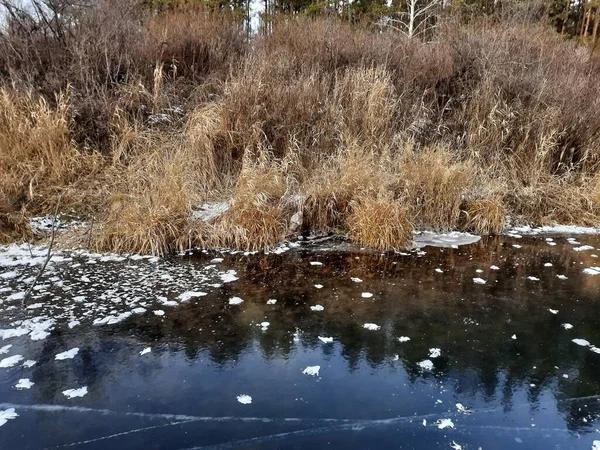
485,215
380,224
258,218
433,184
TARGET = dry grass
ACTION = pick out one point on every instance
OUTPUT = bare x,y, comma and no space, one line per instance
338,121
433,186
485,216
380,224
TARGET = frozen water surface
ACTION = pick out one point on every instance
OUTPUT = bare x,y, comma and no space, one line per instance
152,354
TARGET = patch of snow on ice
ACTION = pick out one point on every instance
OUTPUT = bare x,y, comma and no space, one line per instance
186,296
29,363
455,446
4,350
159,312
592,271
6,415
434,352
514,337
444,423
425,365
244,399
452,240
236,301
313,371
326,340
146,350
11,361
73,393
229,276
69,354
583,248
581,342
264,325
24,383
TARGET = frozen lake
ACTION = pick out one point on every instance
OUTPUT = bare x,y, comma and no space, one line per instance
490,345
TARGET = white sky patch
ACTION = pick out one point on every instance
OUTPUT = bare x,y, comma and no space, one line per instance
533,278
403,339
159,312
146,350
553,311
316,263
424,422
494,268
4,350
186,296
229,276
244,399
326,340
264,325
425,365
548,264
513,337
581,342
371,326
271,301
313,371
561,277
444,423
479,281
24,383
478,270
455,446
216,260
29,363
11,361
69,354
366,295
434,352
319,286
6,415
516,246
356,280
567,326
74,393
556,229
236,301
592,271
583,248
317,308
596,445
73,323
438,270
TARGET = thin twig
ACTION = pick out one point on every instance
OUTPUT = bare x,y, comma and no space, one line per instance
48,255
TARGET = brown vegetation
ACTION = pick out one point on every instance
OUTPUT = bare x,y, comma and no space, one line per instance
137,119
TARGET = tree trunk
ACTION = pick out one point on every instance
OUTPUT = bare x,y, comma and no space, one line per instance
587,21
595,31
567,10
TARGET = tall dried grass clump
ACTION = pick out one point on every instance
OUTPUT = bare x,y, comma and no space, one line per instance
433,184
38,159
380,224
485,215
258,218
